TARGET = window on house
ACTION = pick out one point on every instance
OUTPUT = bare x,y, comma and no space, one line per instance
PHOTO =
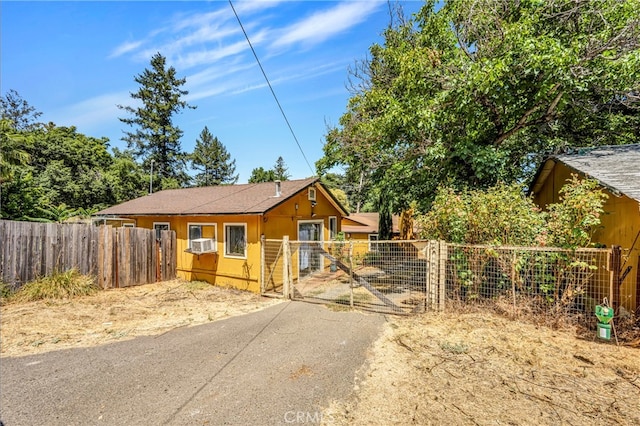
128,225
200,230
235,240
160,226
333,227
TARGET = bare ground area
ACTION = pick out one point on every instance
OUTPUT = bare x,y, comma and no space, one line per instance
118,314
437,368
481,369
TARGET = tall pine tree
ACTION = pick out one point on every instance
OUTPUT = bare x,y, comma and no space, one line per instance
211,158
155,138
280,170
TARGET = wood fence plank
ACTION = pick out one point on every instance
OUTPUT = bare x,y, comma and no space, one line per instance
117,257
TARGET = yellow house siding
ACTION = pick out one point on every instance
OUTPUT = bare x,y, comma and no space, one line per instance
216,268
620,226
284,219
232,271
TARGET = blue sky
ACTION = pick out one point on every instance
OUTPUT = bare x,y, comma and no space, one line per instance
75,61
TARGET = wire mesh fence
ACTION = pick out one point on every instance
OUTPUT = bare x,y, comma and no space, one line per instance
385,276
553,285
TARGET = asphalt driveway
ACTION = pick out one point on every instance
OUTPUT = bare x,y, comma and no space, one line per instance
281,365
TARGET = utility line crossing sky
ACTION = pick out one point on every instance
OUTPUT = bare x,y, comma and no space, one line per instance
75,61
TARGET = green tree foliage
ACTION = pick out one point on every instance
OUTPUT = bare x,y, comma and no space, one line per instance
50,172
280,170
126,177
473,93
155,136
13,149
71,167
503,215
211,159
21,196
335,183
18,111
259,174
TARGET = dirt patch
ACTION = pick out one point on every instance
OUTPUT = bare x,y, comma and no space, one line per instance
482,369
118,314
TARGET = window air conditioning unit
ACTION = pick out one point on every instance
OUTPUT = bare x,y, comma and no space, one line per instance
203,245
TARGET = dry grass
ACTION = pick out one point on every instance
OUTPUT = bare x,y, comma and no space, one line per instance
110,315
60,285
480,369
438,368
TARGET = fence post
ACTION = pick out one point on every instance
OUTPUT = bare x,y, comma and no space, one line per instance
286,260
262,266
351,273
433,274
442,275
614,291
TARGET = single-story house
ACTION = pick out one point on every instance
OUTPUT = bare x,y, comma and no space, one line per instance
219,228
617,171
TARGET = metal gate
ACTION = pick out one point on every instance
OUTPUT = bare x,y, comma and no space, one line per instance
382,276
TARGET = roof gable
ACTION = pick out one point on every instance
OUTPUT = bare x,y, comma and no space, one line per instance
615,167
251,198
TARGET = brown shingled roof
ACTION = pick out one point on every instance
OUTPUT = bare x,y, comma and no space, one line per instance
251,198
368,223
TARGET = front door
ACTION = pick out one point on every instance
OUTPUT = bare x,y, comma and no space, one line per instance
309,259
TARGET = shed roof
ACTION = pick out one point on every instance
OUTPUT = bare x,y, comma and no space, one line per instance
251,198
615,167
366,223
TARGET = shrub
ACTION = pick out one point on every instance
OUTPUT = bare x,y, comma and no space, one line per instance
501,215
6,292
504,215
60,285
572,221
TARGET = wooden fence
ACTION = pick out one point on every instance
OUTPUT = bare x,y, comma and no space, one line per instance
117,257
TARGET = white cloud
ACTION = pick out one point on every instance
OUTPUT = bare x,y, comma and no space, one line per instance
125,47
323,25
93,113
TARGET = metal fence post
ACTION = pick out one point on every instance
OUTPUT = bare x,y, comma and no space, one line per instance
442,278
286,261
351,273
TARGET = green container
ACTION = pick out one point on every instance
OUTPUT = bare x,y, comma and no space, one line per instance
604,331
604,314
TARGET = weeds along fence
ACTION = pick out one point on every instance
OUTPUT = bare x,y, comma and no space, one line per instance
117,257
548,283
415,276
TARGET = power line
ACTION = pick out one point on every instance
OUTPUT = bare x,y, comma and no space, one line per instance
271,88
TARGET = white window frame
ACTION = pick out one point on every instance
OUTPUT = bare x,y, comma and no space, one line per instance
312,194
161,223
128,225
232,255
321,237
190,224
373,246
333,230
